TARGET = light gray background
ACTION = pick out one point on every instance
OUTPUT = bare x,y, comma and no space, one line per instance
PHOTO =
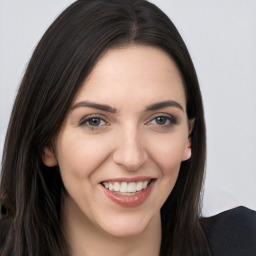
221,37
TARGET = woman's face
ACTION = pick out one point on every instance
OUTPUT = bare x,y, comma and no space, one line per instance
120,148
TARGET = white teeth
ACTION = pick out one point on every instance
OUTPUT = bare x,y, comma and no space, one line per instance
105,184
131,187
110,186
126,188
116,186
139,185
123,187
145,184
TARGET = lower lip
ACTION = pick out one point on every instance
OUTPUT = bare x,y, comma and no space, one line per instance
130,201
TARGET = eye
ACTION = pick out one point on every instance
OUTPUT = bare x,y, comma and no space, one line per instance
163,121
93,122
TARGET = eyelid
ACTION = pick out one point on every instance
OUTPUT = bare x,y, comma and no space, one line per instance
170,117
167,115
85,119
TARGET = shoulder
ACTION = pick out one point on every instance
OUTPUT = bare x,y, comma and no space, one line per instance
232,232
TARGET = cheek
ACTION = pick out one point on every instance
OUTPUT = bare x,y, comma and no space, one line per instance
168,156
79,156
168,152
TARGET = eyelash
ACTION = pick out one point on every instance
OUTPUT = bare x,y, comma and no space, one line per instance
86,120
170,121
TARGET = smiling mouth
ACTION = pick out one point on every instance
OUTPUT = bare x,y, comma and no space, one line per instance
126,188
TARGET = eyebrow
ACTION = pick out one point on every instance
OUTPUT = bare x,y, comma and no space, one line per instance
89,104
103,107
164,104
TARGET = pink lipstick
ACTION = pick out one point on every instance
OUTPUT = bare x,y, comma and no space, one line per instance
128,192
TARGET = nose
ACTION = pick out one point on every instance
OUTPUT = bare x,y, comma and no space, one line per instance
129,151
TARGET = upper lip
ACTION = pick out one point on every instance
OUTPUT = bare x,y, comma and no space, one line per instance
129,179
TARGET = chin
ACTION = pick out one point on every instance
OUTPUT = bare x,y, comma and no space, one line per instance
125,232
127,226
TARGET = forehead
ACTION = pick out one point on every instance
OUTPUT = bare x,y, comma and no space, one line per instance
138,74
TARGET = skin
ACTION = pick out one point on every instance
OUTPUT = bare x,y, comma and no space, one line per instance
129,143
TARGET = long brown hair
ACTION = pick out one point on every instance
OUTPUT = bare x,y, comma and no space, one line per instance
60,63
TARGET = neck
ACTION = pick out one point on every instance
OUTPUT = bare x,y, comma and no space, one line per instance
84,238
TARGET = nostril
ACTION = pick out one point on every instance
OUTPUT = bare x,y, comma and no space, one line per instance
131,160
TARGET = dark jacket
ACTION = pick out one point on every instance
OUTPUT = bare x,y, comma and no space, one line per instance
231,233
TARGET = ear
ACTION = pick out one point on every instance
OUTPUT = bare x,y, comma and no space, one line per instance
191,123
48,156
188,152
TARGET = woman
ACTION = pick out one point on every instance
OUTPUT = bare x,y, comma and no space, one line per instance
105,149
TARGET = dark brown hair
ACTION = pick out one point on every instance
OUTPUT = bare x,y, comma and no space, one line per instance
60,63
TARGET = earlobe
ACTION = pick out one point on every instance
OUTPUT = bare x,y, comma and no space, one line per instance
187,152
48,156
